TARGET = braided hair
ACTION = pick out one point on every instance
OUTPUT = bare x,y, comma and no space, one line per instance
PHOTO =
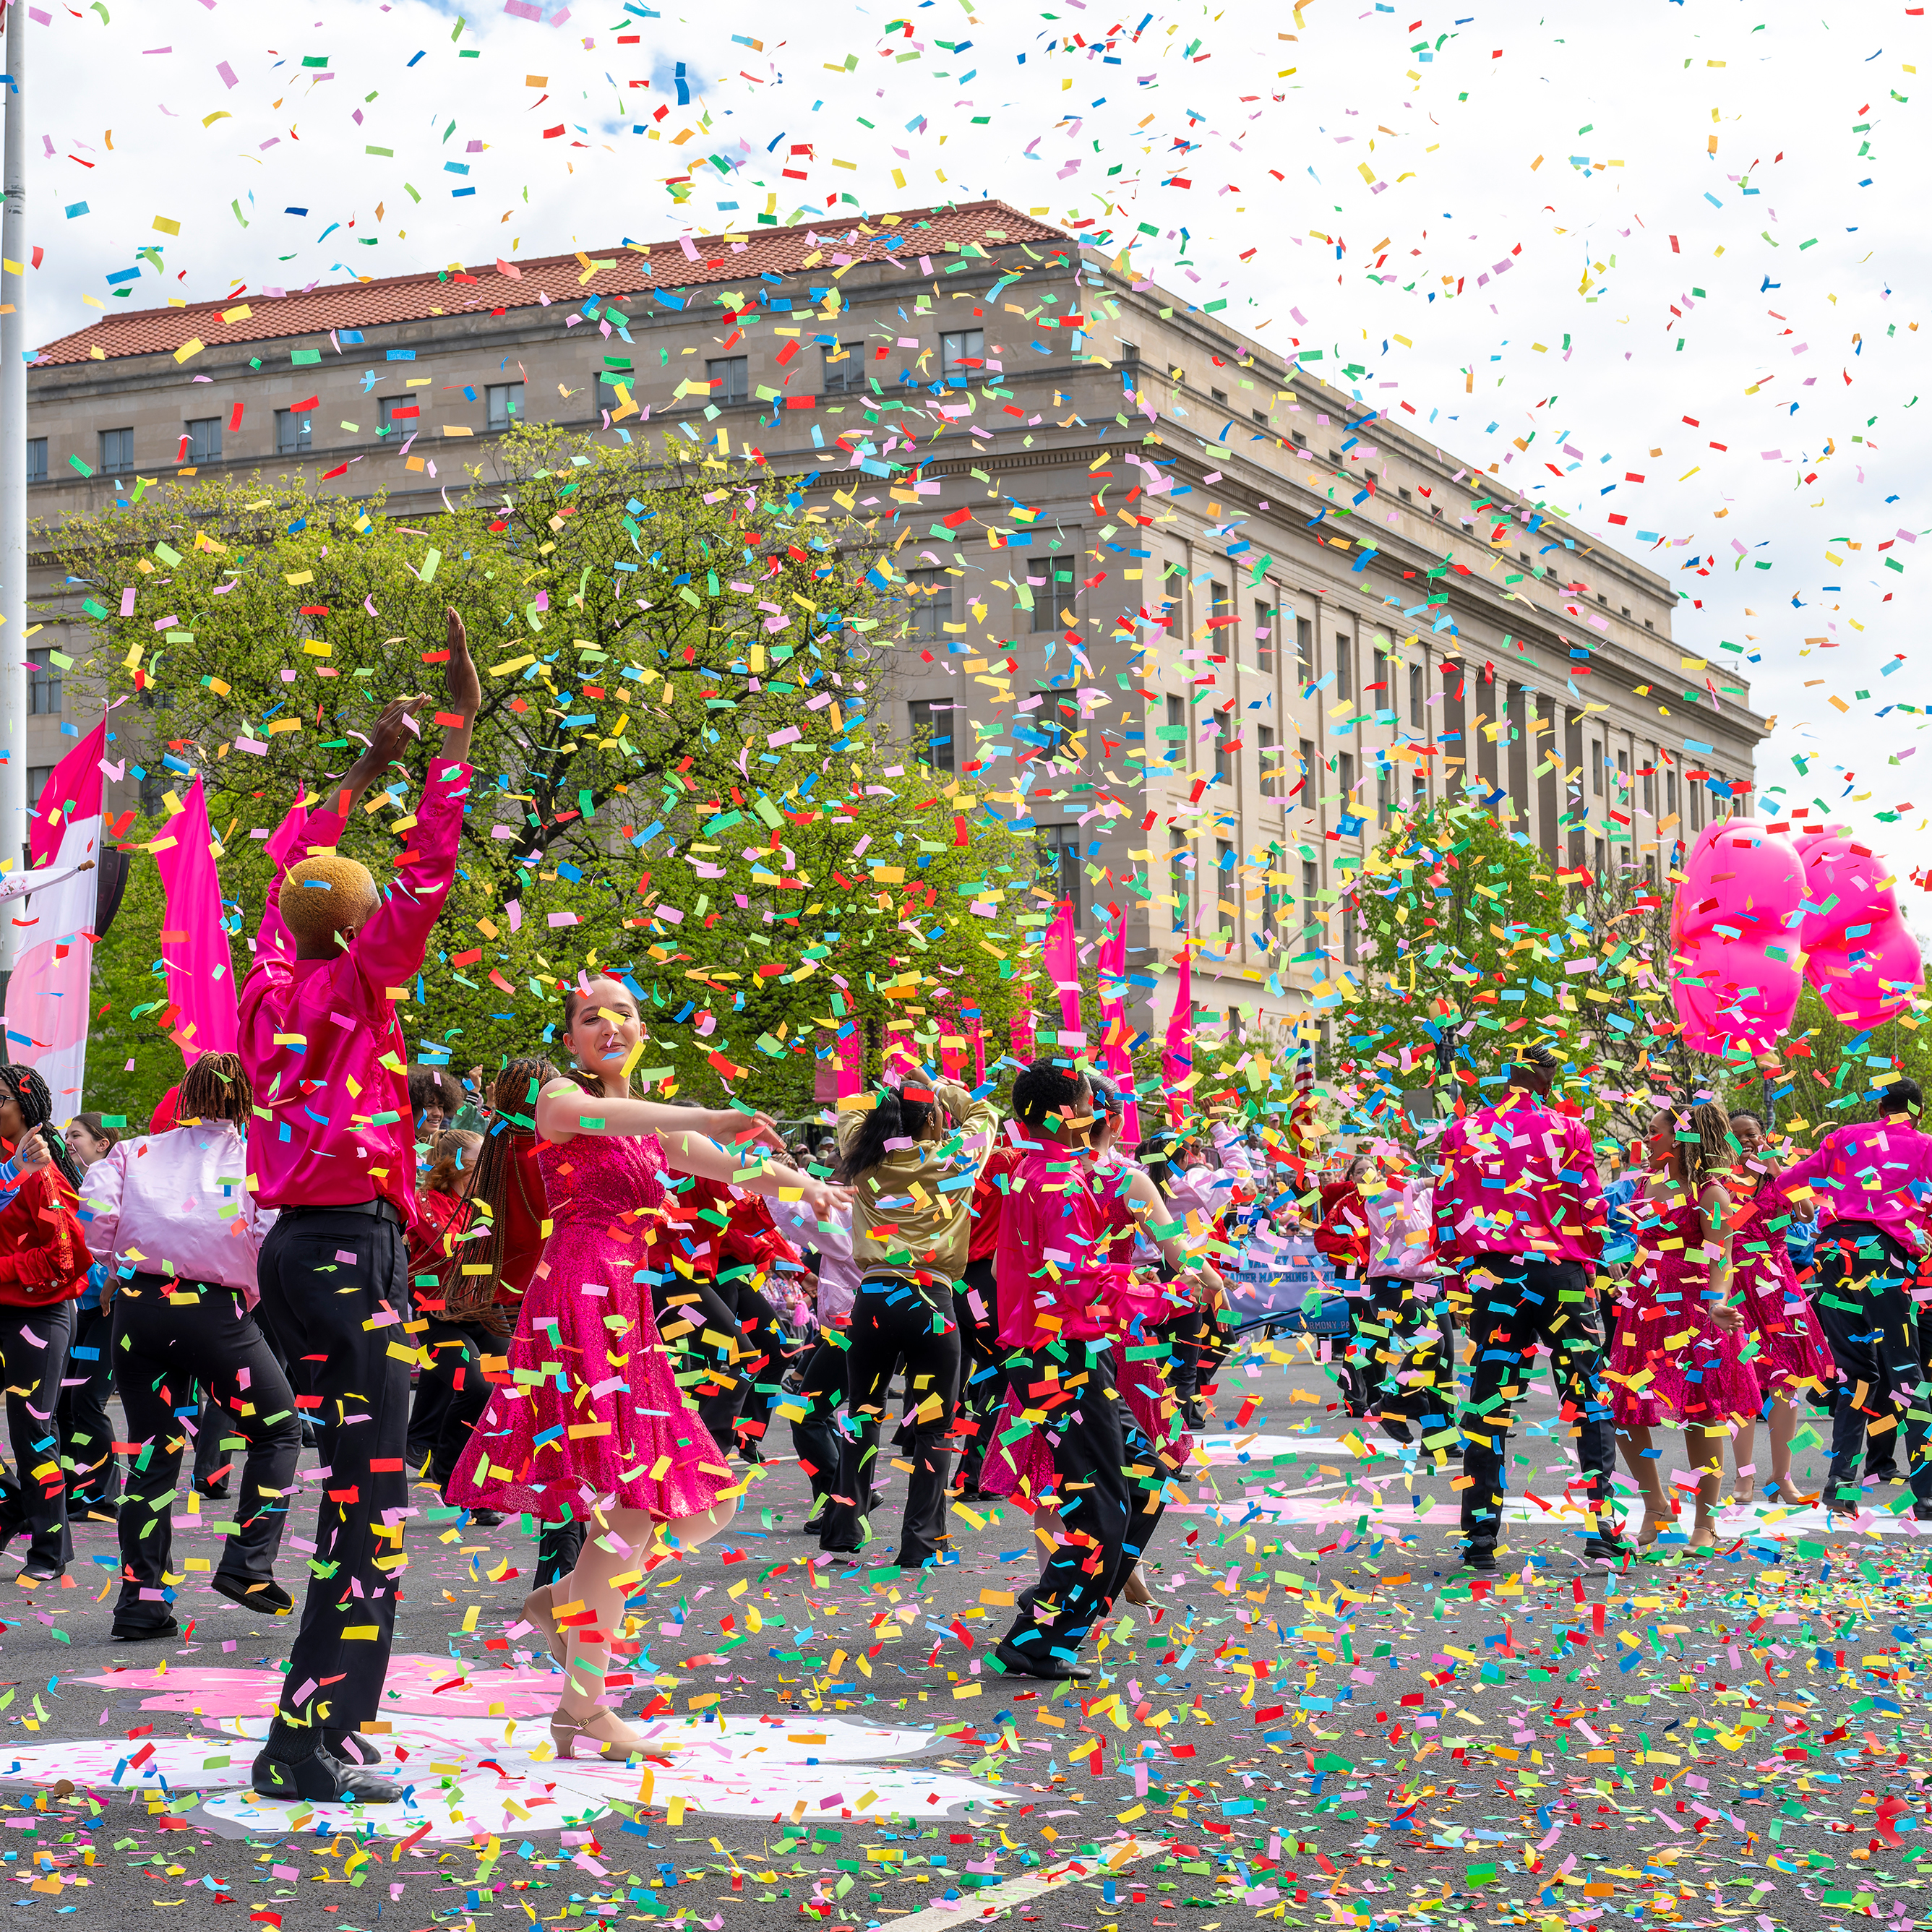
36,1109
489,1174
1703,1136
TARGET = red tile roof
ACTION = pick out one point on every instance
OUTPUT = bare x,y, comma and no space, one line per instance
562,278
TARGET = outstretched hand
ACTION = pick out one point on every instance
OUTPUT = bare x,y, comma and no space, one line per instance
464,687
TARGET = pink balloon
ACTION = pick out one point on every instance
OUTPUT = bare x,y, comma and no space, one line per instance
1738,963
1863,958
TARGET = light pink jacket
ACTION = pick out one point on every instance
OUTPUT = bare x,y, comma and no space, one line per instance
179,1204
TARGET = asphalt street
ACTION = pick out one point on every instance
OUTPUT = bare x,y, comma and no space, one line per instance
1319,1719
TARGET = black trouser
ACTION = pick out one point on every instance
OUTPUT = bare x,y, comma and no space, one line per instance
34,1344
689,1313
213,1425
1384,1320
558,1548
1516,1301
894,1321
815,1438
87,1436
981,1382
161,1348
451,1382
765,1345
1865,1307
1093,1439
355,1381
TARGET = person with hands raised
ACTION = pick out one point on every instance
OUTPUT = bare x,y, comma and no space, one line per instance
623,1448
331,1147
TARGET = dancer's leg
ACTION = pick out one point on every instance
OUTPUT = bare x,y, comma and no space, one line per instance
1640,1460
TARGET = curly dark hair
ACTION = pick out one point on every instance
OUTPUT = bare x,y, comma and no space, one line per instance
892,1117
216,1087
36,1109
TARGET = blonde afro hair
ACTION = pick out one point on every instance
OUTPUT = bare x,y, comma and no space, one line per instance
320,897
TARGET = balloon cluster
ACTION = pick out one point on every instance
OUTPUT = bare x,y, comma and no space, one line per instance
1759,912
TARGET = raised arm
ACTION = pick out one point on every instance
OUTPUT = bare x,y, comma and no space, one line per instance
689,1153
564,1110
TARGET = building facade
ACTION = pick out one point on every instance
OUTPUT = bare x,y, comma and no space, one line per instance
1211,619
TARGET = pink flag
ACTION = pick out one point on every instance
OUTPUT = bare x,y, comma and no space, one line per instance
1114,1057
47,997
979,1036
1178,1062
1062,966
194,943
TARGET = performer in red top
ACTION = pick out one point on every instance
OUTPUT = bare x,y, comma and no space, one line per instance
332,1148
43,1265
975,1307
439,1245
1055,1319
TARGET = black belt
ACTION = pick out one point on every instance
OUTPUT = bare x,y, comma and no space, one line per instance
381,1209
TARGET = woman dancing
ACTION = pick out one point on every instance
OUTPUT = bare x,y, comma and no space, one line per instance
619,1441
1676,1359
1793,1359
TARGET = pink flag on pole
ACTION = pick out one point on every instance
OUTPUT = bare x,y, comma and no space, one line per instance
1114,1057
978,1034
1177,1061
194,943
1063,965
1024,1040
47,997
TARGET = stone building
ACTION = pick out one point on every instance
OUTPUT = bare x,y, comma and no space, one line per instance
1215,616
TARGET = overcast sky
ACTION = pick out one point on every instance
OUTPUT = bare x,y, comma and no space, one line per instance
1715,272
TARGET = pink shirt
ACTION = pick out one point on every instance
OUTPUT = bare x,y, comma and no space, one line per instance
1051,1276
177,1203
1519,1178
315,1033
1876,1171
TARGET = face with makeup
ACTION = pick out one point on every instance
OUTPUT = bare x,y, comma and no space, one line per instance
602,1028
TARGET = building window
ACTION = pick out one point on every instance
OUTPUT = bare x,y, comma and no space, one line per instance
1696,793
1173,598
1382,795
37,776
43,684
1270,933
1265,617
730,378
1345,763
1057,719
1218,395
845,368
612,391
1178,869
931,594
1177,731
1224,885
1220,622
1305,783
1052,587
1311,906
1270,771
1304,651
1224,756
504,401
1419,799
1670,794
1345,666
204,439
1415,696
932,731
37,459
1596,768
1060,864
117,449
1383,702
404,413
1351,941
291,432
962,353
1649,777
1599,867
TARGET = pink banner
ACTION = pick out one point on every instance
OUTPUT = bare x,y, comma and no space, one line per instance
1062,954
978,1034
850,1048
1114,1058
71,796
194,943
1178,1060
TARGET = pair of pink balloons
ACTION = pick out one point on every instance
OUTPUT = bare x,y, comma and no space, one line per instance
1760,912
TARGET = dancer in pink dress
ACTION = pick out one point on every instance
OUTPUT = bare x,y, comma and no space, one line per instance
1675,1359
606,1430
1793,1358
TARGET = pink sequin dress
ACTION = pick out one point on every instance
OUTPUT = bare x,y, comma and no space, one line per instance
1792,1350
1698,1377
603,1421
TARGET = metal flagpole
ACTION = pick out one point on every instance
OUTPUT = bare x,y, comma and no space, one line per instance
13,475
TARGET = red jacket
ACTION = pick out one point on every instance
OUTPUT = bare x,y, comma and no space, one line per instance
43,1256
525,1212
1343,1235
989,1197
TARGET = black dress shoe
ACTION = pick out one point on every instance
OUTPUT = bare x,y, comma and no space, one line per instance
1041,1663
269,1599
321,1777
1480,1558
485,1519
39,1572
92,1509
216,1491
352,1746
144,1632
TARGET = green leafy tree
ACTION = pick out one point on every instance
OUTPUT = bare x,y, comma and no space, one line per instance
676,774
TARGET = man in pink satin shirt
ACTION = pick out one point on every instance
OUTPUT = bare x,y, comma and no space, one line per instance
331,1148
1520,1213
